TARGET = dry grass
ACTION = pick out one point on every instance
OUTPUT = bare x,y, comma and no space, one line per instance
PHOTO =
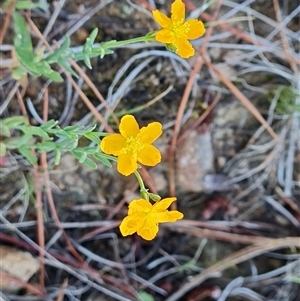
75,232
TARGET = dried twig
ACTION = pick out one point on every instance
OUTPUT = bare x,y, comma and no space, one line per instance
236,258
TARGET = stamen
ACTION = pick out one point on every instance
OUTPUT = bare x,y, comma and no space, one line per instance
133,145
180,28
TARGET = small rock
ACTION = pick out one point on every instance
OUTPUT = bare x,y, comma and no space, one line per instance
228,71
232,127
18,264
233,114
195,159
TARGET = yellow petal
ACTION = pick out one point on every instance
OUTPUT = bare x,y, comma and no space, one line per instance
139,206
163,204
178,11
150,133
165,36
149,155
168,216
148,230
196,29
127,164
128,126
112,144
130,224
161,19
184,48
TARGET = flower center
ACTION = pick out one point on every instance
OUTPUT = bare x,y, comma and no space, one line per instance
133,145
180,28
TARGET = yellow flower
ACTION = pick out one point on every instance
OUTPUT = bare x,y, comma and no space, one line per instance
143,217
133,145
175,32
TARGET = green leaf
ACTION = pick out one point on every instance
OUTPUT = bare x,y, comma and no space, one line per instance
145,296
83,131
88,47
48,125
19,73
64,52
91,38
35,130
86,130
57,157
2,149
44,68
46,146
39,55
90,150
65,64
61,134
72,128
44,5
24,52
82,157
26,5
76,153
87,61
17,142
54,76
99,157
93,137
67,144
23,44
4,130
61,56
13,122
78,129
23,38
28,154
88,162
23,4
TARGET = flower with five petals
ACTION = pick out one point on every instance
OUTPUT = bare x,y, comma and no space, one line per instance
176,32
143,217
133,145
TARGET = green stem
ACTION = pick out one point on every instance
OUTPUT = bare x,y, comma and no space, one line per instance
143,190
115,44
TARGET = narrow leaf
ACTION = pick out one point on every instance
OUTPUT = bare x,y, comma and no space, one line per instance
28,154
83,157
48,125
23,4
102,159
2,149
57,156
35,130
23,44
145,296
77,153
4,130
93,137
46,146
88,162
17,142
12,122
44,68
